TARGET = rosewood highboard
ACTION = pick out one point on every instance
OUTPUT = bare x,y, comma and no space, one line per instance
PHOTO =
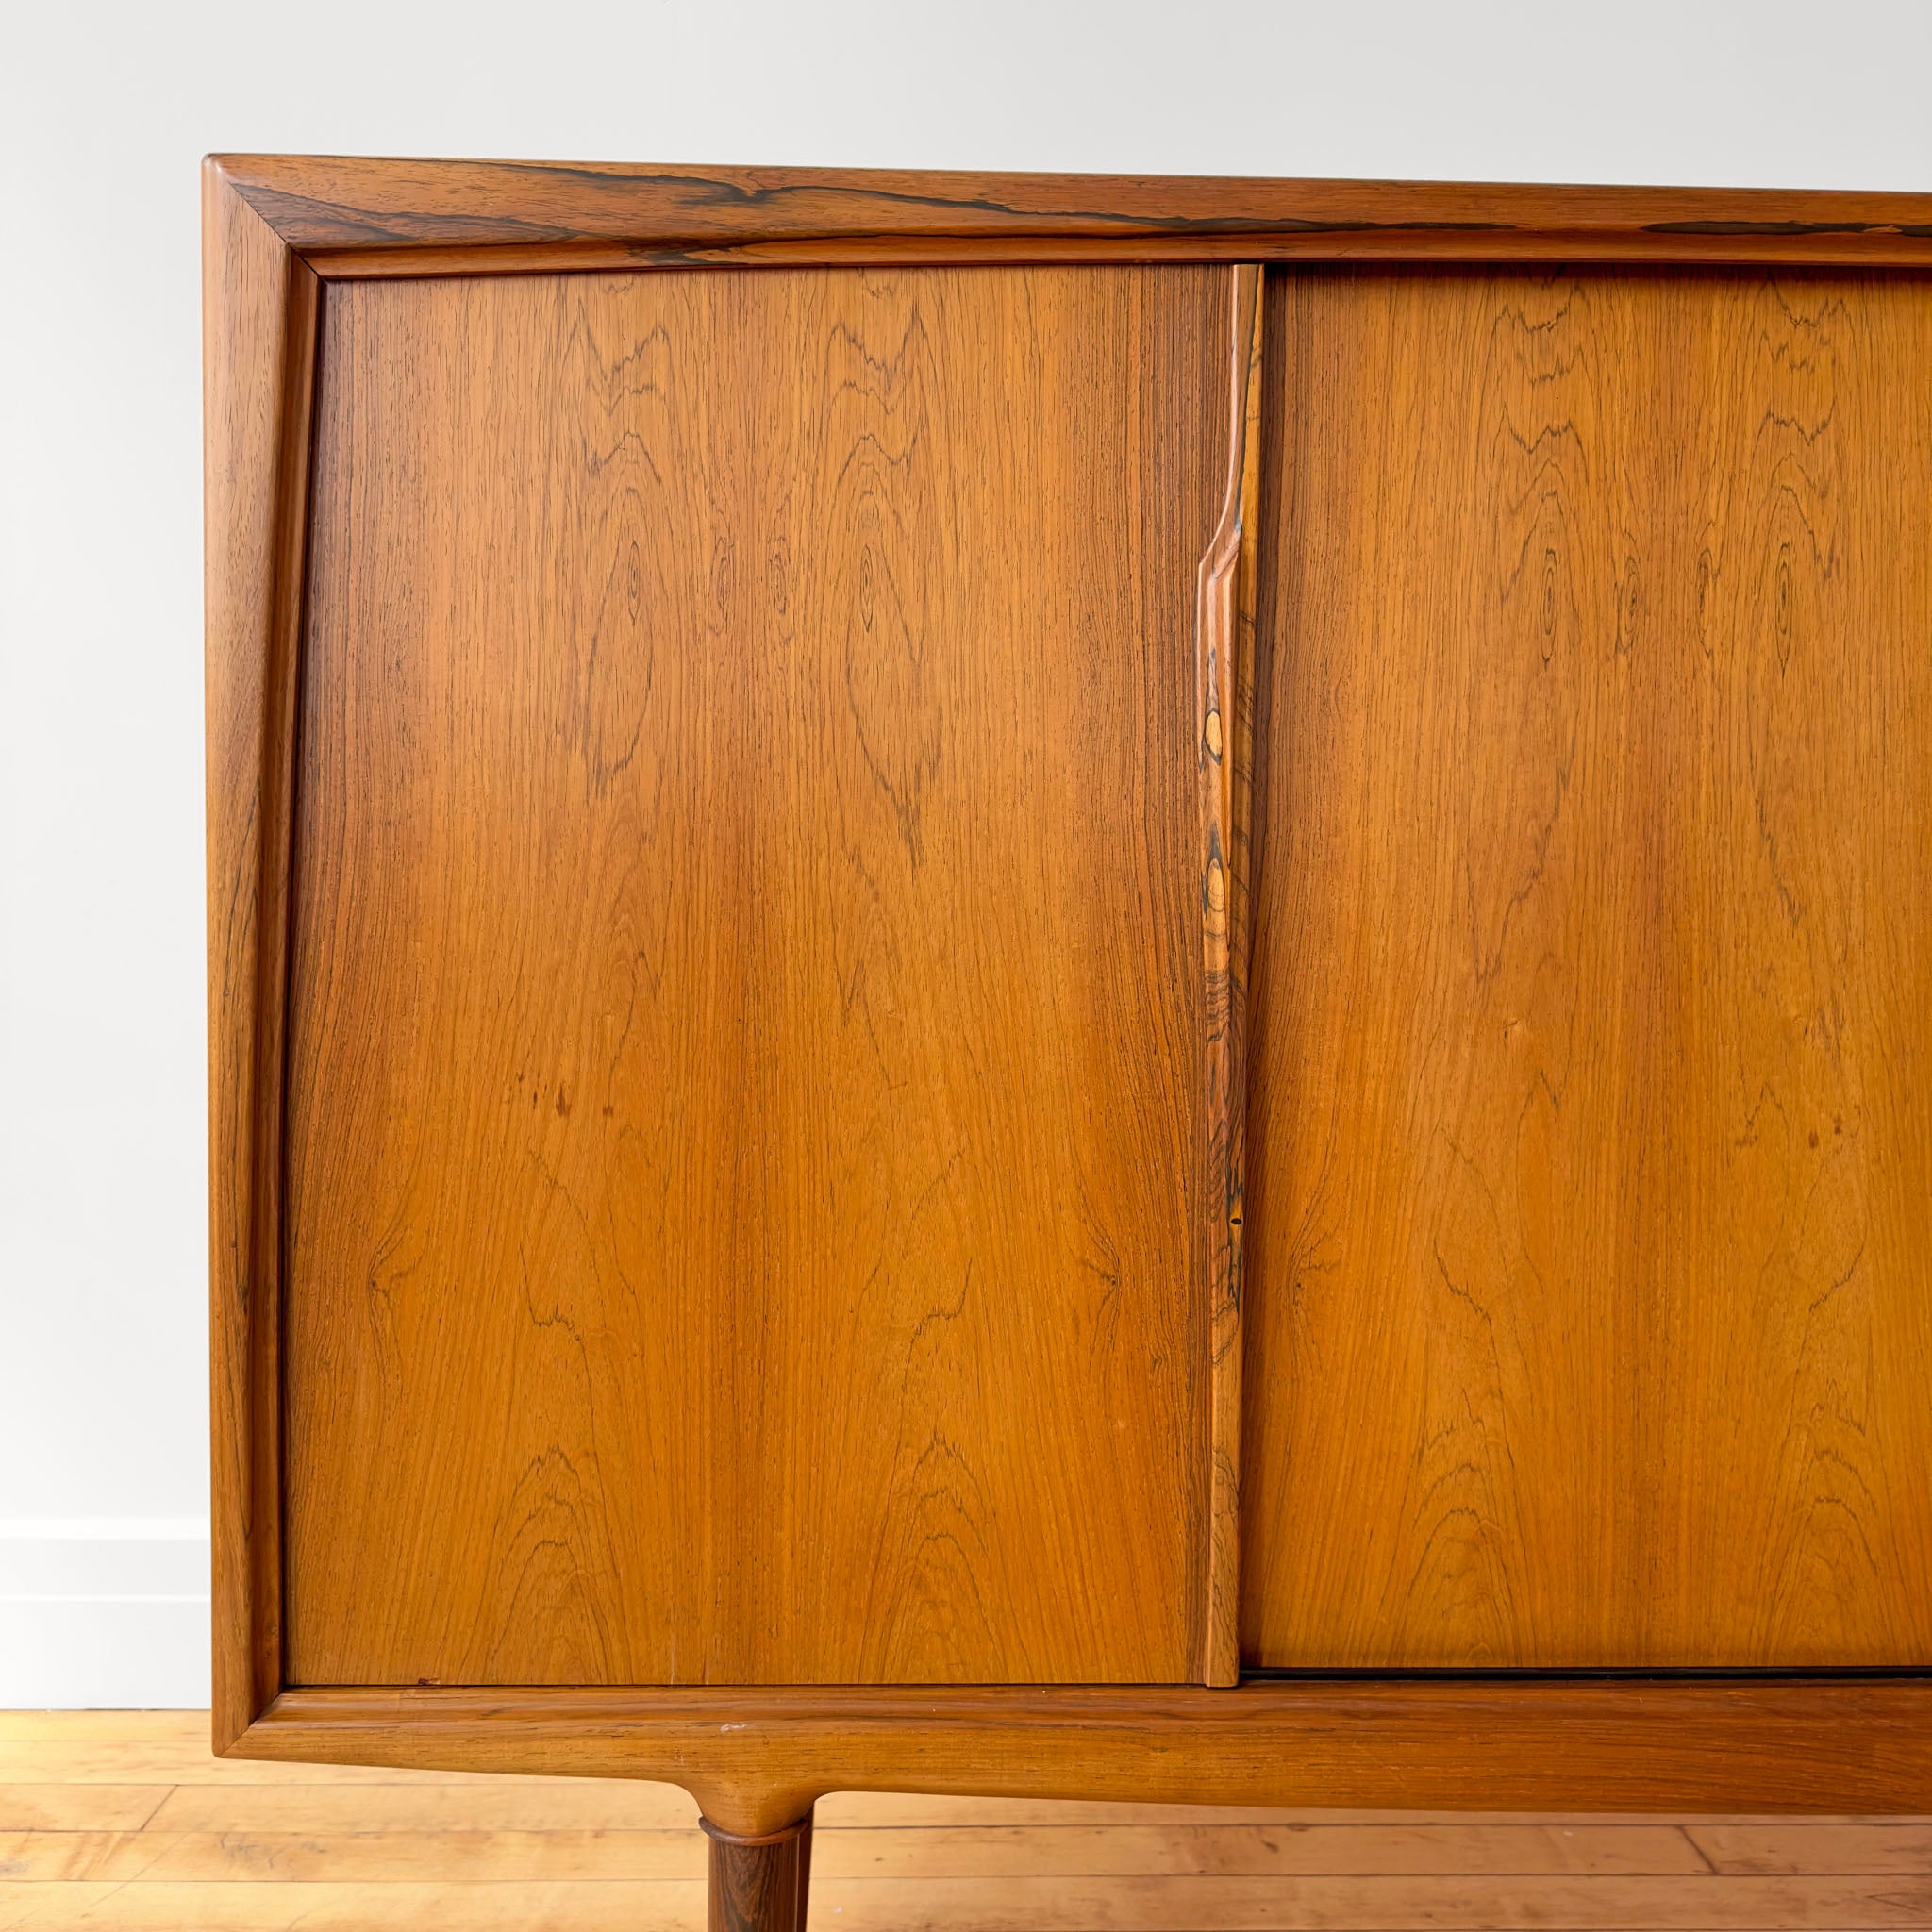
1069,985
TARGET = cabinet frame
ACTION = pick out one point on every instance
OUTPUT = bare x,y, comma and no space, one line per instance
274,229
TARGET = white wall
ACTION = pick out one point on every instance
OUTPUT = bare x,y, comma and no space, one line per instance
104,111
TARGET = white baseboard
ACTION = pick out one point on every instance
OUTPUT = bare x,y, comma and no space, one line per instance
104,1612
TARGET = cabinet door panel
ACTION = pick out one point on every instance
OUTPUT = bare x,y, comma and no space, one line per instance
1591,1125
744,1081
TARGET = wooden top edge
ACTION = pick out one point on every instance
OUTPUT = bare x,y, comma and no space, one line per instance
354,205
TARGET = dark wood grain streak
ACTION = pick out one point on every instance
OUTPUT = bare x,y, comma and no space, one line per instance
359,216
755,1759
1225,654
260,335
1591,1137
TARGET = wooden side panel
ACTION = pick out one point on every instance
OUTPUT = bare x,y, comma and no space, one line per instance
259,307
746,1072
1591,1136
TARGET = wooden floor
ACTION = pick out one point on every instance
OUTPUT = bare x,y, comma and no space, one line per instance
123,1819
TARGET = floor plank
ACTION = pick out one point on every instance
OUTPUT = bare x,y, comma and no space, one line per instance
469,1857
478,1856
80,1807
1371,1904
189,1727
1235,1851
1360,1904
551,1805
141,1762
676,1906
1779,1845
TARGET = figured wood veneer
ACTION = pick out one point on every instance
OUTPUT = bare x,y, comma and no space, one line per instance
745,1074
1590,1107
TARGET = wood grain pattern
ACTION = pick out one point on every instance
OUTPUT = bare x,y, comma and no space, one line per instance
754,1759
762,1883
745,1067
1591,1139
372,217
259,354
1225,654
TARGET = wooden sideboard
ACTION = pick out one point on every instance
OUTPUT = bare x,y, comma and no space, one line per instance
1072,987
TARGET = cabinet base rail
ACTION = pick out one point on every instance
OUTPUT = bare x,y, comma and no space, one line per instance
755,1759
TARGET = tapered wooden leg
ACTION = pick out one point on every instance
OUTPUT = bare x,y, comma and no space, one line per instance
760,1884
803,1868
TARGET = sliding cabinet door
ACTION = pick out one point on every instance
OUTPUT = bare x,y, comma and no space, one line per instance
1590,1225
746,1081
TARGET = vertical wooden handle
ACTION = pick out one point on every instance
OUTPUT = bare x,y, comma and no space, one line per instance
1224,657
